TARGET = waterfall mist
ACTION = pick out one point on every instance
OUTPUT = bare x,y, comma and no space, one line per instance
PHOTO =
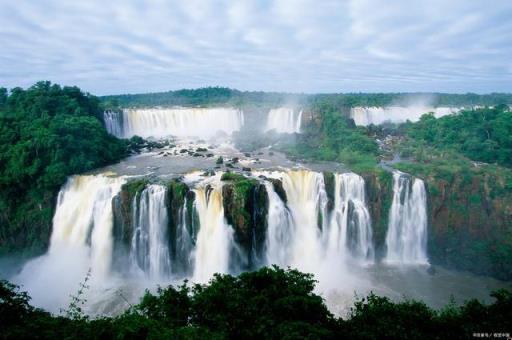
284,120
180,122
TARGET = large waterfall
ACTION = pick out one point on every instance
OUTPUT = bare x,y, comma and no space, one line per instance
180,122
81,241
281,229
350,230
214,240
160,236
406,239
294,233
284,120
83,218
149,246
395,114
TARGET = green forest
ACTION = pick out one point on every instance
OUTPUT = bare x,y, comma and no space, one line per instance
222,96
47,132
270,303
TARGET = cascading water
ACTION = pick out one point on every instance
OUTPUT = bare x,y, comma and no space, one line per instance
170,237
284,120
180,122
406,239
377,115
83,218
307,202
185,241
350,227
113,122
280,230
215,236
149,247
81,240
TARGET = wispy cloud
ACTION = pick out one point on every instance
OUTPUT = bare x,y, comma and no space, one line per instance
285,45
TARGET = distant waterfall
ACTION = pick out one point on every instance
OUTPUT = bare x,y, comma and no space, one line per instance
149,249
406,239
113,122
284,120
180,122
350,227
395,114
215,236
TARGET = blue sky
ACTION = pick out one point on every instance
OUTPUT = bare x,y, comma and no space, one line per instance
120,46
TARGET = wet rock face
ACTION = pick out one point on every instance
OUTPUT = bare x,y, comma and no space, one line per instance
245,208
122,211
278,188
379,195
329,183
178,194
471,224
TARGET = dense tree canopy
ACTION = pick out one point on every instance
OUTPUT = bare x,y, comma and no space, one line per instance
334,137
47,133
221,95
270,303
482,135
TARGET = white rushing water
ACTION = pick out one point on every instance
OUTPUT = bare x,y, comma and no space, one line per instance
395,114
149,247
406,239
332,240
281,229
81,240
307,200
215,236
350,229
184,242
284,120
180,122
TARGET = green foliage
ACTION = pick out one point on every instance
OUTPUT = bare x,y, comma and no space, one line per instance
340,101
482,135
75,310
47,133
232,176
335,138
270,303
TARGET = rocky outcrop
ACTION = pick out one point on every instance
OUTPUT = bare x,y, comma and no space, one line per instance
123,215
245,208
379,195
329,183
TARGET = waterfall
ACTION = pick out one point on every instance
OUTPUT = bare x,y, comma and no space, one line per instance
185,237
149,249
307,202
180,122
350,228
284,120
83,218
113,122
406,239
377,115
280,229
215,236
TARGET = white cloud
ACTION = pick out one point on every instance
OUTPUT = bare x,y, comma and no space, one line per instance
285,45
